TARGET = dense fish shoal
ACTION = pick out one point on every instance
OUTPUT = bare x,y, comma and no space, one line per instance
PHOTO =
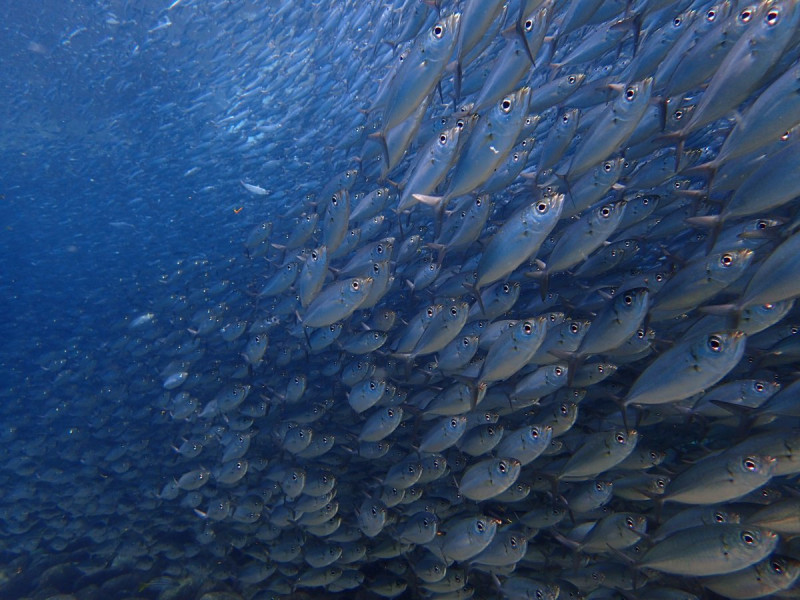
406,299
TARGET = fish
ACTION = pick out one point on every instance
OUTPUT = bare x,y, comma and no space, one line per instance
616,327
337,301
726,549
525,231
699,360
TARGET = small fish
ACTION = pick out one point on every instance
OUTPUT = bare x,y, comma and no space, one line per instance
710,550
254,189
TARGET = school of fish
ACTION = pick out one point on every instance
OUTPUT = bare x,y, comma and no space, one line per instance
511,314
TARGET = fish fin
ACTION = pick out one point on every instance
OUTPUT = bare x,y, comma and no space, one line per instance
569,543
625,558
432,201
735,409
636,25
474,289
544,284
457,84
381,137
679,154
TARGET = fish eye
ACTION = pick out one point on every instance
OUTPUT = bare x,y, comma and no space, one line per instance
620,437
605,211
527,328
660,483
571,79
379,249
355,285
390,412
726,259
480,526
505,105
564,409
793,330
528,25
628,299
777,567
438,31
759,387
629,522
558,371
432,267
607,167
630,94
772,17
786,135
748,538
677,21
516,156
746,15
453,423
430,312
453,311
565,118
678,114
539,595
335,200
749,463
719,517
574,327
711,15
506,288
502,467
411,469
598,486
761,225
599,368
465,342
443,139
541,207
715,343
490,430
653,456
659,277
